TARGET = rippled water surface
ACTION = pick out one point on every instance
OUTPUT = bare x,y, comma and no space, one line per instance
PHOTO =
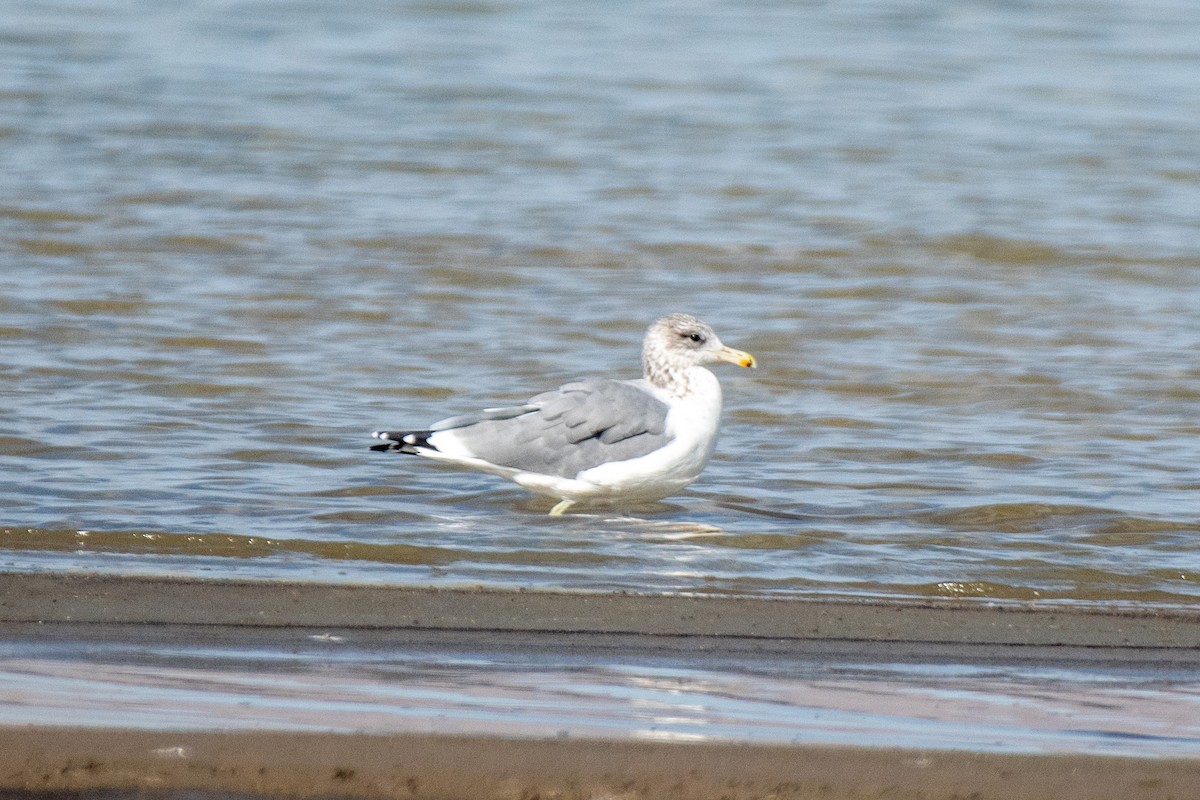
961,239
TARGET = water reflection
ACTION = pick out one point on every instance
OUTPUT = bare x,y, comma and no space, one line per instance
328,683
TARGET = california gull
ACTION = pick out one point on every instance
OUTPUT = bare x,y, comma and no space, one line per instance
598,440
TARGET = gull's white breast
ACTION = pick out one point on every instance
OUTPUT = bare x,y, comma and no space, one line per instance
691,424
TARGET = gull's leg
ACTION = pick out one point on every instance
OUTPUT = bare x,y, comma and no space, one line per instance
562,506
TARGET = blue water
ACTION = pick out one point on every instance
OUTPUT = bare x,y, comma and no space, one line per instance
960,238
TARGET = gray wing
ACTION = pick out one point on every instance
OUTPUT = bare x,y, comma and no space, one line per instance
465,420
566,431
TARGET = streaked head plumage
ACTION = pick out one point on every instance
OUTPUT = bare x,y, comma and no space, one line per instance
677,342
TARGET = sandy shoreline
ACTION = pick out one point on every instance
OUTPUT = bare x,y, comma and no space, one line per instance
746,636
141,600
311,765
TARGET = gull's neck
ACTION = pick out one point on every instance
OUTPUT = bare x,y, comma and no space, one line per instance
667,375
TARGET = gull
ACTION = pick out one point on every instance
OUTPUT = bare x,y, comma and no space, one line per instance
598,440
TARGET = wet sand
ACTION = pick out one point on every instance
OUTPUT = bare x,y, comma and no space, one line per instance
108,599
313,765
711,632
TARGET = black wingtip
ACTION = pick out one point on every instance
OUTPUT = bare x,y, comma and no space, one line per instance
408,442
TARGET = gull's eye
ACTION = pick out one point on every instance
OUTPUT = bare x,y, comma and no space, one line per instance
695,337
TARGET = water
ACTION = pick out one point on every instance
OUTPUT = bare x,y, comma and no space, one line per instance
352,681
960,238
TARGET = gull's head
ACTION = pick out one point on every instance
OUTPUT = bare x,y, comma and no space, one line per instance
679,341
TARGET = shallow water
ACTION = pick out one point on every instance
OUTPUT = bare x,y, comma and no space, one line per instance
349,681
960,240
